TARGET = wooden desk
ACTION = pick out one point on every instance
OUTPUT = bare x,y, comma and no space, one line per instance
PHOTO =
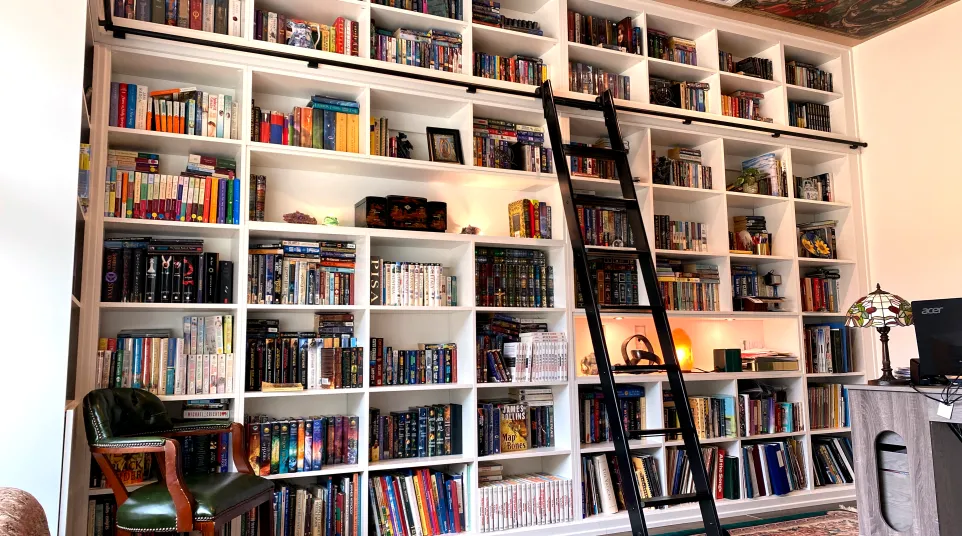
916,480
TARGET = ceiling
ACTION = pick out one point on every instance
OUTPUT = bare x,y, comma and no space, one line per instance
855,20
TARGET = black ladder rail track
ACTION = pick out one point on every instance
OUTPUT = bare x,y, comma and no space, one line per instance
120,32
641,252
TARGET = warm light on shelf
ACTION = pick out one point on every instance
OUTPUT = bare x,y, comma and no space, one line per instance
683,349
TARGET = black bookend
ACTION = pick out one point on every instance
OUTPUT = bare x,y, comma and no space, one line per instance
225,282
210,278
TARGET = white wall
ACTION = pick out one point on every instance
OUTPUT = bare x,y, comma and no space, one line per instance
41,91
907,82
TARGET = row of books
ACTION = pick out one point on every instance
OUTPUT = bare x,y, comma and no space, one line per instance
828,406
450,9
101,515
833,461
412,284
743,104
502,144
341,37
178,111
302,444
432,49
815,188
810,115
294,272
417,501
688,286
326,358
807,75
768,413
681,172
526,500
776,468
493,331
828,348
324,123
537,356
594,427
672,48
521,69
332,505
529,219
723,476
513,278
201,362
622,35
746,283
820,291
773,170
583,78
257,197
680,235
752,66
615,282
511,426
430,363
220,16
817,239
417,432
604,226
749,235
602,485
593,168
382,142
206,192
685,95
164,270
488,13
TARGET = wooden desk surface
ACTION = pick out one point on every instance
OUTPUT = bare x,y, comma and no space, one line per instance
931,406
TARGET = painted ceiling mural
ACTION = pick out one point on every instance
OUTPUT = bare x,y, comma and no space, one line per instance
854,18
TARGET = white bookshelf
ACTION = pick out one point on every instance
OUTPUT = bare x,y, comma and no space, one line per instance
325,183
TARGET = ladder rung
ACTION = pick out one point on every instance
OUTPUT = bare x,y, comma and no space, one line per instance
653,431
597,200
612,252
587,151
623,369
624,308
683,498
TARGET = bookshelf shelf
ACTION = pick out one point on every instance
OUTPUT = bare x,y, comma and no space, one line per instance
170,227
830,375
501,42
337,469
823,431
167,143
108,491
322,182
185,398
764,437
813,314
706,441
608,446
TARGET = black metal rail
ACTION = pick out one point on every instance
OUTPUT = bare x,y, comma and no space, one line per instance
122,31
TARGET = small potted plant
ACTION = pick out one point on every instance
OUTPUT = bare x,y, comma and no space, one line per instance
747,181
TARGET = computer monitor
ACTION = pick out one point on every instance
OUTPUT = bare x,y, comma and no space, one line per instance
938,333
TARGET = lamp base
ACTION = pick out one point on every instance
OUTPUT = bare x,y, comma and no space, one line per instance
888,381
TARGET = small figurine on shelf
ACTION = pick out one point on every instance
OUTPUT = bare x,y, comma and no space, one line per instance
330,221
299,217
470,229
404,146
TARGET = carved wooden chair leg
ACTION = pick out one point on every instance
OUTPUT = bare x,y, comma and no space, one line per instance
207,528
265,517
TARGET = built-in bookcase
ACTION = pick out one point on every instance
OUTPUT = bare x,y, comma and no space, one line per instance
329,183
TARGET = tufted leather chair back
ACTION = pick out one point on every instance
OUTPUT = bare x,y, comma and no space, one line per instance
119,412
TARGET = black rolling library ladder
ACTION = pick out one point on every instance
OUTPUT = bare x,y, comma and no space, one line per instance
641,252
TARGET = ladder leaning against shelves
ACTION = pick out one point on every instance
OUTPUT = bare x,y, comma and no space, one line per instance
641,253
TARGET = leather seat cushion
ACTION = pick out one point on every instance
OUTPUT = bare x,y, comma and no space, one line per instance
150,508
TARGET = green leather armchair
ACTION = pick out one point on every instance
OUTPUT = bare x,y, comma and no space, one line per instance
124,421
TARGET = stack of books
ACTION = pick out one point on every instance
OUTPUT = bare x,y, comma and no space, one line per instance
340,38
746,283
417,432
593,168
767,411
594,420
199,362
616,281
828,406
681,167
820,291
750,236
776,468
690,95
301,273
665,47
326,358
604,226
520,69
603,486
804,74
332,505
302,444
524,421
622,35
324,123
223,18
680,235
583,78
430,363
688,286
756,67
257,198
432,49
773,170
536,499
529,219
744,104
714,416
418,501
833,461
768,360
412,284
810,115
164,270
828,348
184,110
505,145
513,278
723,475
450,9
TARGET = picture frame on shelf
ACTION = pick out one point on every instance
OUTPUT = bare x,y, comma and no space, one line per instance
444,145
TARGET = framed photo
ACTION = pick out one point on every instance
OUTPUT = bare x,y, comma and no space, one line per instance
444,145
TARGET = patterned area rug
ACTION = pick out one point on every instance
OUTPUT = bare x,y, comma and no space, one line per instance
837,523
